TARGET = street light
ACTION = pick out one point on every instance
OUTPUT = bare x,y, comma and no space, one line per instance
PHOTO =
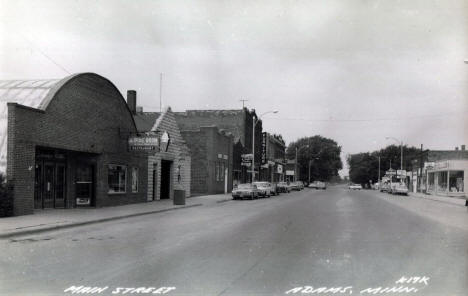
255,121
401,147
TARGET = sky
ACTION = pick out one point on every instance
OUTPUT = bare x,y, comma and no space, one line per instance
356,71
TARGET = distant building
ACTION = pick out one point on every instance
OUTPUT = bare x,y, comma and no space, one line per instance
290,173
274,162
211,151
240,124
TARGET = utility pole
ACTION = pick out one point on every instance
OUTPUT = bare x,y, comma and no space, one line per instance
243,101
254,122
379,174
160,92
295,167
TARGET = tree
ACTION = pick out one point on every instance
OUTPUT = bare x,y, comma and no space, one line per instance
364,167
322,153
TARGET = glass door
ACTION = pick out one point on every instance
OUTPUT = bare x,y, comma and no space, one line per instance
60,189
48,185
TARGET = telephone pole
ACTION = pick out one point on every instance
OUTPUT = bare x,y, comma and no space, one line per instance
243,101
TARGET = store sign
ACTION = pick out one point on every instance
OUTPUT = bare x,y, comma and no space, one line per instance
246,157
441,165
246,164
279,169
390,173
143,142
429,165
289,173
401,173
264,150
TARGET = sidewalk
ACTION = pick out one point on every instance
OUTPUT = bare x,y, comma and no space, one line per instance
53,219
441,209
452,200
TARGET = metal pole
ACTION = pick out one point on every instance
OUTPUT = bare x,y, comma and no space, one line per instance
401,164
379,174
295,167
309,170
253,149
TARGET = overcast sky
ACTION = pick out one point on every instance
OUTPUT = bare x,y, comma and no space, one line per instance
356,71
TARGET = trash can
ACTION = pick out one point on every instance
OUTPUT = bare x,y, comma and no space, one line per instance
179,197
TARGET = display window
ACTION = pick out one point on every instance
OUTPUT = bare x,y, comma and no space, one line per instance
117,176
430,181
456,179
442,181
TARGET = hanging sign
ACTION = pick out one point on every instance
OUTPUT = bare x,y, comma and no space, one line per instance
264,147
143,142
165,141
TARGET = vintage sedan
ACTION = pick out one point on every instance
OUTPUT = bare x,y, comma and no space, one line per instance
283,187
318,185
264,188
399,188
355,186
246,190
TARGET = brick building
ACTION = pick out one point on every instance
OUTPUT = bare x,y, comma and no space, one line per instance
169,168
64,145
211,151
239,123
273,168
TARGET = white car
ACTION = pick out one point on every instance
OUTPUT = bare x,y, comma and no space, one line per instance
399,188
355,186
264,188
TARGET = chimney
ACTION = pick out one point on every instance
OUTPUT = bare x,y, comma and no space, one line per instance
463,147
456,148
131,101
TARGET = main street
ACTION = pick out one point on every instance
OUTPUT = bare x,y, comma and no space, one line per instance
333,238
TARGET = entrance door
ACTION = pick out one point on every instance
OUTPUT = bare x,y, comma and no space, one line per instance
155,182
60,173
38,185
165,179
84,185
48,185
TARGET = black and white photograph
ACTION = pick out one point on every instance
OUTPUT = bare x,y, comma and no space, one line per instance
241,147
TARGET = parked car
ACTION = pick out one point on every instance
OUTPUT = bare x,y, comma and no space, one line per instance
355,186
274,189
399,188
318,185
283,187
246,190
296,185
385,187
264,188
376,186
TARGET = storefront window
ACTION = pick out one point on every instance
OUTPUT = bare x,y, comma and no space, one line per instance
117,177
134,179
456,179
442,181
430,182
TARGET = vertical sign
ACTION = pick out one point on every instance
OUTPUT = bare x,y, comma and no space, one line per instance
264,144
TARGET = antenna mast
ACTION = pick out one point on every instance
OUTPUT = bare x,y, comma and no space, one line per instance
243,101
160,92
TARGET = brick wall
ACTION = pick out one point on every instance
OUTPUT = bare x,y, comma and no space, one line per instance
87,114
178,153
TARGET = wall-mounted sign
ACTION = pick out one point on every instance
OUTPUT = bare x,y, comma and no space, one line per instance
390,173
280,169
143,142
165,141
289,173
401,173
246,157
246,163
264,147
441,165
225,156
220,156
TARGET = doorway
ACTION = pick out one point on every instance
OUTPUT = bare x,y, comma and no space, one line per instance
165,179
49,184
155,181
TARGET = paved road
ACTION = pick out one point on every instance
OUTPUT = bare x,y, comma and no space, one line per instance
333,238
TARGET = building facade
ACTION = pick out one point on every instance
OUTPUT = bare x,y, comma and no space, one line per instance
240,124
273,158
440,172
64,145
168,169
211,151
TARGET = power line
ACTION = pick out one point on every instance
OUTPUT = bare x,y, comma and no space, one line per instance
369,119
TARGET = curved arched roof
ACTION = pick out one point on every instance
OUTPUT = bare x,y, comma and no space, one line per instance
36,94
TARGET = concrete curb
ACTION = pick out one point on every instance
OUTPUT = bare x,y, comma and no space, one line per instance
89,222
456,201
